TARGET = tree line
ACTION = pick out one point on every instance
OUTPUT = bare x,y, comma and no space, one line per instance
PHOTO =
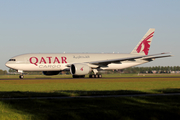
157,69
3,72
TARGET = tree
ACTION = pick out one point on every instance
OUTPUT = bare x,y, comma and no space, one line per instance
3,72
12,70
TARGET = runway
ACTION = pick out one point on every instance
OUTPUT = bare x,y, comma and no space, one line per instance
86,97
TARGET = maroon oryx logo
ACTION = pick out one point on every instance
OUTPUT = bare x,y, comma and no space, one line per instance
81,69
146,44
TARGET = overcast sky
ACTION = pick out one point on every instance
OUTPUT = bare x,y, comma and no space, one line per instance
94,26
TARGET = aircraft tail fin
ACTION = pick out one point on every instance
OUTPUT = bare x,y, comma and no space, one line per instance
143,46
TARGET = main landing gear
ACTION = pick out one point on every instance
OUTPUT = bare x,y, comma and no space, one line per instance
95,75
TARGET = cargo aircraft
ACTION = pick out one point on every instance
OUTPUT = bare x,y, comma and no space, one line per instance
81,64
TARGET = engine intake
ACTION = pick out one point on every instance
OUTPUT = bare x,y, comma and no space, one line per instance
80,69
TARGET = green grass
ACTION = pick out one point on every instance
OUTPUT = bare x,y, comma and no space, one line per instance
79,87
124,108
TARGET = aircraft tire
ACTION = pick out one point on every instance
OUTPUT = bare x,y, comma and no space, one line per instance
82,76
99,76
21,76
93,76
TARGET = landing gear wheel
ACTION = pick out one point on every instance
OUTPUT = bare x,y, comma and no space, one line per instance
99,76
21,76
95,76
90,76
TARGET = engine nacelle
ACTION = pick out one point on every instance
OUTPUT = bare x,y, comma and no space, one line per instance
51,72
80,69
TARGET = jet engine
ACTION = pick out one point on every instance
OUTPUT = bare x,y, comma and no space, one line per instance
51,72
80,69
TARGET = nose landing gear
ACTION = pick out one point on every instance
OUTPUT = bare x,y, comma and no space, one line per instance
21,74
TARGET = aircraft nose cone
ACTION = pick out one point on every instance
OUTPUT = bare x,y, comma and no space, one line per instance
11,65
7,64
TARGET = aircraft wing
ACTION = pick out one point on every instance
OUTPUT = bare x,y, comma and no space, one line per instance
154,57
144,57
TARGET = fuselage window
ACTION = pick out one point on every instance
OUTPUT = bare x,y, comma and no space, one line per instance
12,59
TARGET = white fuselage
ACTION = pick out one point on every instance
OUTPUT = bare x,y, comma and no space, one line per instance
58,62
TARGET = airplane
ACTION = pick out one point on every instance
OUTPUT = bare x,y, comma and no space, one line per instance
81,64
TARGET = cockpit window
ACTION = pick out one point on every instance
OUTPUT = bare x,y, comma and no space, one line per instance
12,59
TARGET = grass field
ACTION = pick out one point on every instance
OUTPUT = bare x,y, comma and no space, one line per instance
125,108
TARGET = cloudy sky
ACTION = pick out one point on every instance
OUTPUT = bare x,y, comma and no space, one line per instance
94,26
